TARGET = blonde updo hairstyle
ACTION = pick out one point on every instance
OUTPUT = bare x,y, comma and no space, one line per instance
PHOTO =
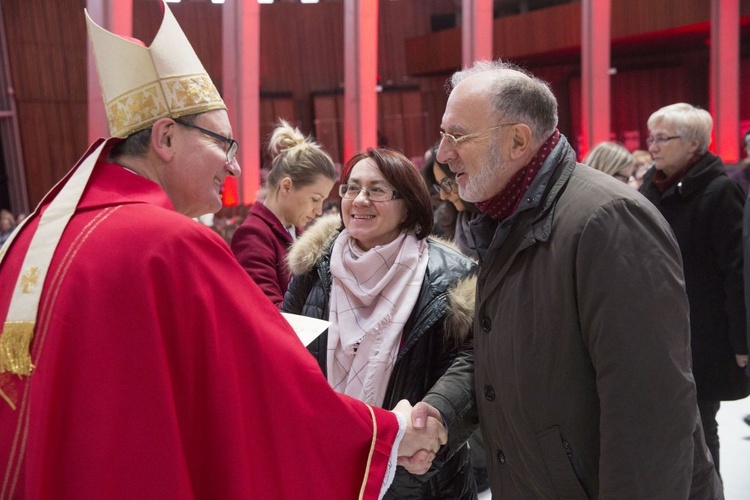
689,122
297,157
609,157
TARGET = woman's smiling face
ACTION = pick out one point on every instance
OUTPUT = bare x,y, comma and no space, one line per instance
371,223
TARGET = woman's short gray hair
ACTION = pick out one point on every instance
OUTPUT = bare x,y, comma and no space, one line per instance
690,123
518,95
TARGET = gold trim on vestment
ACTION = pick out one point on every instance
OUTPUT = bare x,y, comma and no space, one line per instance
14,347
372,452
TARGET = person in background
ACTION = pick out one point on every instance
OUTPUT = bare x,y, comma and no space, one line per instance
7,225
137,358
300,179
578,396
642,164
741,173
401,307
445,214
704,207
612,159
446,188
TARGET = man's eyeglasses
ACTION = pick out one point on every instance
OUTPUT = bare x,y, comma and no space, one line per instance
446,186
455,141
661,140
377,193
233,146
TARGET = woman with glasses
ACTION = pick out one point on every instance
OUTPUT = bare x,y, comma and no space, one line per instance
401,306
446,187
612,159
690,188
300,179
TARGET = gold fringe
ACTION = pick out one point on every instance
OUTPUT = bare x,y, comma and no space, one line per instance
15,343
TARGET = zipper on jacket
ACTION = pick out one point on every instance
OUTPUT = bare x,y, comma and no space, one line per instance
569,451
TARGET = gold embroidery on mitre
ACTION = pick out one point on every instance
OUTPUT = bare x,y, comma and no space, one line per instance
136,110
141,107
15,342
191,93
30,279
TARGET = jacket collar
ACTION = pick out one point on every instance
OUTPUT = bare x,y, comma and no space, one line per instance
704,171
537,205
264,213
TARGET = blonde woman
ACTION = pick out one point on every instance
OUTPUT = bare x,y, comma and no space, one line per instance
613,159
300,179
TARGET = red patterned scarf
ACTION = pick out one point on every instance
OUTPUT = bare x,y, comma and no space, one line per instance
504,203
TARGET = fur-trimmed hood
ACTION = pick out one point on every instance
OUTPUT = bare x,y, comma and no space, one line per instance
312,244
315,243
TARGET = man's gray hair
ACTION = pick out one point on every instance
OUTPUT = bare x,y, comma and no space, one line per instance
518,95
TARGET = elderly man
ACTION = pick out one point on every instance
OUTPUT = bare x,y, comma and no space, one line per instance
582,353
137,358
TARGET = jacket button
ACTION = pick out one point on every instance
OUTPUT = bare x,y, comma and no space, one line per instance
486,324
489,393
501,457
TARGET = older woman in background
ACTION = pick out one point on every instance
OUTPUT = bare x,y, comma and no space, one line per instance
401,306
704,207
613,159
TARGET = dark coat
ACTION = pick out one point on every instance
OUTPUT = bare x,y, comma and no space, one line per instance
582,361
437,337
705,211
260,245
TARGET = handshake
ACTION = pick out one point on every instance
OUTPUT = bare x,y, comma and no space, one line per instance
425,434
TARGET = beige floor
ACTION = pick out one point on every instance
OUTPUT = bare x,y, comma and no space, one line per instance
735,450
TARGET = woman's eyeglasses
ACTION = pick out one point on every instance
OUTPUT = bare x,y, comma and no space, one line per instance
446,186
375,193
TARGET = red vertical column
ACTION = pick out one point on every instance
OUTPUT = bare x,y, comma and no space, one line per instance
476,31
360,75
595,62
241,90
725,80
115,16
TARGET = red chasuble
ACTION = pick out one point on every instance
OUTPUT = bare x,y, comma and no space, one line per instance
162,371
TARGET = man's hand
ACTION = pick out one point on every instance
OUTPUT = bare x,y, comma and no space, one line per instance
741,360
424,435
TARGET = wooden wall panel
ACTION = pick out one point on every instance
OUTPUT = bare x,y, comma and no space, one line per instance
271,109
415,125
47,55
633,17
538,32
402,122
302,57
329,113
557,30
635,95
200,21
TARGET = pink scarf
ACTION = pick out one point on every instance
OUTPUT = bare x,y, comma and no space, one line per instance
372,297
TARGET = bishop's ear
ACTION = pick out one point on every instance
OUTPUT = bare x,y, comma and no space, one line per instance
163,138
